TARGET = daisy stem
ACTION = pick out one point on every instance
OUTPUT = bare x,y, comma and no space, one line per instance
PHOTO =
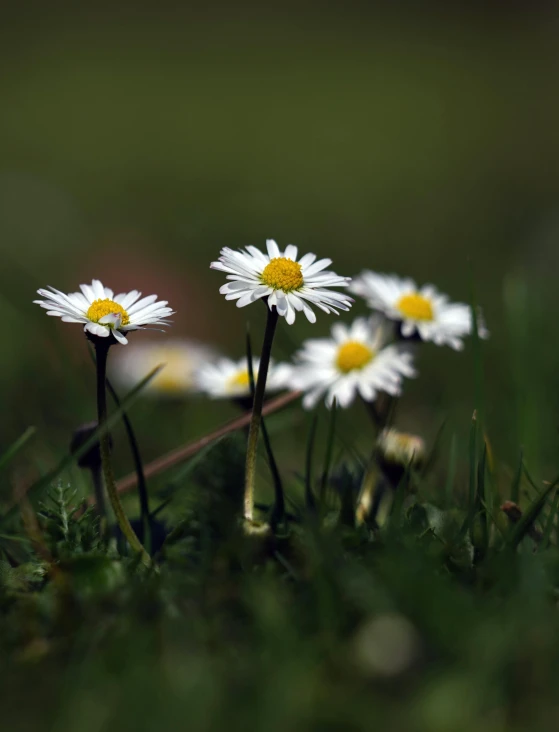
256,418
101,353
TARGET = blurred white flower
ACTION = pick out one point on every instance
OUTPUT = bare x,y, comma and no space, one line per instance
401,448
226,378
288,283
102,313
180,359
423,310
353,361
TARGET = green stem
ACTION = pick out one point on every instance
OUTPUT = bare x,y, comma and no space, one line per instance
137,458
254,429
278,510
101,352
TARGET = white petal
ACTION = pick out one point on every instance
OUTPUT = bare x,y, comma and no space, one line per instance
291,252
273,249
127,299
307,259
98,289
121,338
143,303
97,330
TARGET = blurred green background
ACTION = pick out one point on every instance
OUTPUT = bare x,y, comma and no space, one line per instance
135,143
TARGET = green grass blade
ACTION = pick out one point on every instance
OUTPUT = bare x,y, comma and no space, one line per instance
14,448
478,361
472,467
434,452
483,503
530,516
145,534
309,495
532,483
395,514
72,458
550,523
328,454
278,510
451,473
515,488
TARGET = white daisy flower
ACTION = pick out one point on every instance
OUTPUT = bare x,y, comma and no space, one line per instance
288,283
227,378
353,361
401,448
423,310
103,313
180,359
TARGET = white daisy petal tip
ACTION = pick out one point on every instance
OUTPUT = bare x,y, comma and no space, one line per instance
223,378
101,313
353,361
401,448
289,283
422,312
180,358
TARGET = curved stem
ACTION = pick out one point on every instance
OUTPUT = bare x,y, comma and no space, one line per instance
101,353
145,536
256,418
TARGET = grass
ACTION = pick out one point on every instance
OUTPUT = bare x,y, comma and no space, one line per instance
443,616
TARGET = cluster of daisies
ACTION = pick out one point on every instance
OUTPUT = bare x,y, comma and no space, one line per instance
367,356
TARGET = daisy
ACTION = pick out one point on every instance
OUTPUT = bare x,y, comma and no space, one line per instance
180,359
423,310
289,283
353,361
226,378
400,448
102,313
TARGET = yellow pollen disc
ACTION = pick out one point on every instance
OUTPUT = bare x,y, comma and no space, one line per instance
283,274
415,306
169,383
241,380
353,355
99,308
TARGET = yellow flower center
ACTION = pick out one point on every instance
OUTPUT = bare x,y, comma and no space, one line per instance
99,308
415,306
353,355
283,274
240,380
170,383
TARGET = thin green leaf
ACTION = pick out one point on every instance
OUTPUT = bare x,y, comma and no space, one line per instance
145,534
395,515
309,495
473,467
15,447
478,359
434,452
515,488
482,502
533,485
278,510
195,460
451,472
328,454
550,523
530,516
72,458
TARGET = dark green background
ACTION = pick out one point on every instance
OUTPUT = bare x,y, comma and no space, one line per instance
134,143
